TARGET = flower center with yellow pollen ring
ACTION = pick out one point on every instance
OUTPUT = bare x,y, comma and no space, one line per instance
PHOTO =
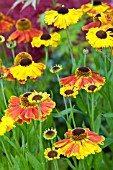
67,92
23,59
78,134
24,101
101,34
92,87
1,16
63,10
37,97
23,24
52,154
83,72
45,37
96,3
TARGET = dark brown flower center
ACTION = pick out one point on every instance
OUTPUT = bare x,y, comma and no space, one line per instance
23,24
55,68
24,102
83,72
98,15
25,62
26,94
67,92
52,154
78,134
37,97
111,30
50,133
95,3
45,37
63,10
101,34
92,87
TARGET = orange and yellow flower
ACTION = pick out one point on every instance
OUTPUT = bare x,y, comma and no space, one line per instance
63,17
69,91
80,142
100,38
25,32
94,9
6,23
92,88
82,76
25,68
21,110
52,154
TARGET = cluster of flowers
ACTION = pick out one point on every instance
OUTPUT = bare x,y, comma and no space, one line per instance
79,142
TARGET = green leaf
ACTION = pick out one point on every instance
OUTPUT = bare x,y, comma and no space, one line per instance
108,141
33,161
69,163
97,161
108,115
97,123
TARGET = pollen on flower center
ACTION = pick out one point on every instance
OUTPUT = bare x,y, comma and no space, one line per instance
45,37
24,102
23,24
95,3
52,154
78,134
83,72
63,10
37,97
92,87
25,62
67,92
101,34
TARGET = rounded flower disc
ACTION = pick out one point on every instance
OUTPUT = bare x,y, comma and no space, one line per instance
99,38
63,17
80,143
25,68
37,97
82,76
92,88
51,154
46,40
50,134
22,111
25,32
69,91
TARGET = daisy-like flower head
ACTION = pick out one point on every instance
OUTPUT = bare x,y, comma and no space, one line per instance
51,154
82,76
46,40
97,6
50,134
56,69
6,23
92,88
99,38
80,142
37,97
63,17
9,123
25,32
2,39
25,68
69,91
21,110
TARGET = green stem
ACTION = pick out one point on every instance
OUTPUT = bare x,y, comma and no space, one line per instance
92,2
105,66
3,94
13,53
55,164
46,56
5,150
72,117
70,49
41,149
26,47
85,60
92,111
63,97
